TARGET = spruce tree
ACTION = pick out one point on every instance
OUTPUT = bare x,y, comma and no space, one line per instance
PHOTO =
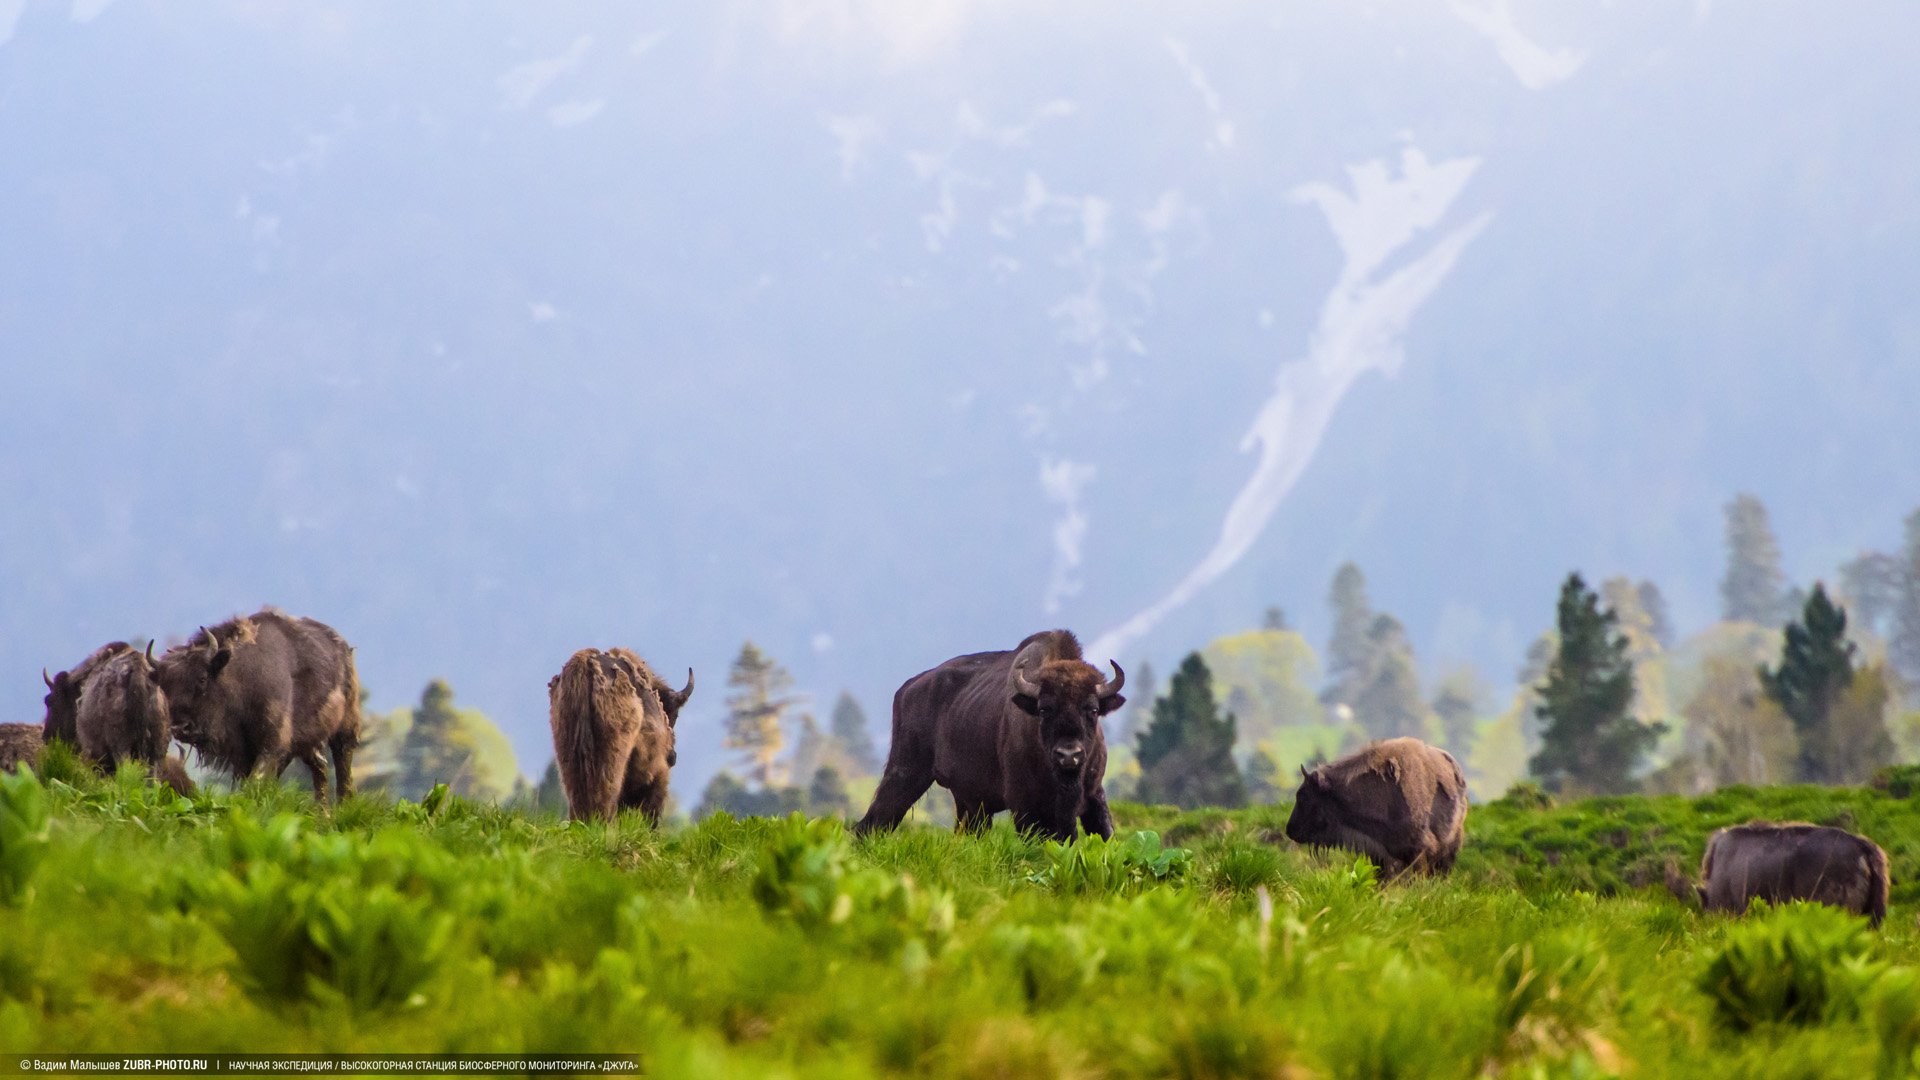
433,751
1815,669
1387,701
1754,589
1659,621
1133,719
1348,650
755,710
1458,707
849,724
827,793
1263,778
1903,649
1870,587
1186,753
1589,740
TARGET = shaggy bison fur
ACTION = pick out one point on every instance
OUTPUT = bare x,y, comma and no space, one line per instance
63,692
1794,861
122,714
255,692
20,744
1017,730
1401,803
613,741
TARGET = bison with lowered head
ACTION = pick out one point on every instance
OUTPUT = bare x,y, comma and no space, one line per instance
63,692
1400,802
613,721
1793,861
256,692
1016,731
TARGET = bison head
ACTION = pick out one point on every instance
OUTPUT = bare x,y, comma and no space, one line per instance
1068,698
62,701
189,676
1312,820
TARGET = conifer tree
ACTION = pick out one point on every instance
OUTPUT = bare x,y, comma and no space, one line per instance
1387,702
1659,621
1815,669
1458,707
1589,740
1263,778
1903,649
755,710
1348,650
827,793
1186,753
850,731
1754,589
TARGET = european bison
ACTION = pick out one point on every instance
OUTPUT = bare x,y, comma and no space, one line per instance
1401,803
122,713
1793,861
172,771
256,692
20,744
1016,730
613,740
63,692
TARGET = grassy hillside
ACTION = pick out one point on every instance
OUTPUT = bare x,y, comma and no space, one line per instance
249,922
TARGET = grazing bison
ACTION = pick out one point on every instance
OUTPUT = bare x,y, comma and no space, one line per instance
1793,861
1015,731
1401,803
256,692
172,771
20,744
613,741
63,692
122,713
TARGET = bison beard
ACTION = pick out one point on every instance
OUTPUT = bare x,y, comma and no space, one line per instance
613,739
1016,730
254,693
1401,803
1793,861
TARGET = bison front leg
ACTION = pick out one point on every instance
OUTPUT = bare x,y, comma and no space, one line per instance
1096,818
971,816
316,765
342,746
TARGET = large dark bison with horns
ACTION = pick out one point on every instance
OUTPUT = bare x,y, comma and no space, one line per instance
255,692
111,708
1016,731
613,743
1399,802
1793,861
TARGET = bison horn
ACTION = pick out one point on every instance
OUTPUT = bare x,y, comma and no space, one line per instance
46,678
213,643
1112,686
1022,684
687,690
149,652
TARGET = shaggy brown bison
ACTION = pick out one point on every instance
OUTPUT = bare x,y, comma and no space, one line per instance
613,740
20,744
122,713
256,692
63,692
1401,803
1016,731
1793,861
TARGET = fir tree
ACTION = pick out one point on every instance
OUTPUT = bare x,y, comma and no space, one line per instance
1186,753
1388,702
1870,587
433,752
1263,778
1659,622
855,741
1457,705
1348,651
1589,741
1754,589
550,794
755,710
1127,725
1815,669
827,793
1903,649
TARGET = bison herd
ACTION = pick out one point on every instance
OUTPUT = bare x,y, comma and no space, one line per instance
1014,730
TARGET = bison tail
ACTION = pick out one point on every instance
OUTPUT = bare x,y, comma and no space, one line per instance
1877,885
582,739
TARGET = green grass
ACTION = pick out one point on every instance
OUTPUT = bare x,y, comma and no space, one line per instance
1213,948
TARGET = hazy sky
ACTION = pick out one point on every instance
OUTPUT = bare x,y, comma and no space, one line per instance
881,332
